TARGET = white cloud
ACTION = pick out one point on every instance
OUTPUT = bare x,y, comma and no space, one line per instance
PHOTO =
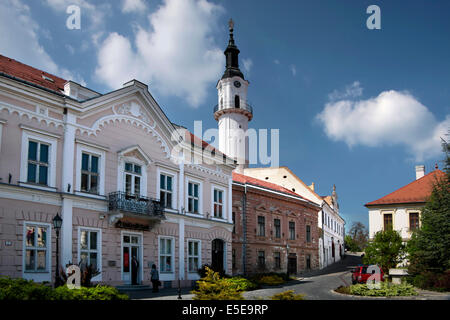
276,61
351,91
248,63
391,118
137,6
20,40
293,69
177,55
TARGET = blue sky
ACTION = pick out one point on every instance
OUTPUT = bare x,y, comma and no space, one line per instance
358,108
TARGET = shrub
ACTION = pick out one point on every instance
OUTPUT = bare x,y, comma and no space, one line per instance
21,289
431,281
272,280
93,293
213,287
344,290
242,284
288,295
386,289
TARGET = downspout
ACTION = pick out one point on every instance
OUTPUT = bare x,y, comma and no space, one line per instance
244,225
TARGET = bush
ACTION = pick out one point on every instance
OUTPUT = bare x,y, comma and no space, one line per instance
242,284
288,295
213,287
386,289
431,281
21,289
92,293
272,280
343,290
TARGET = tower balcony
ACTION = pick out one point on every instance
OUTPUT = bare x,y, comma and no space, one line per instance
244,108
121,204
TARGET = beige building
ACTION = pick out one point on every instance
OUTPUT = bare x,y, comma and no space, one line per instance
117,171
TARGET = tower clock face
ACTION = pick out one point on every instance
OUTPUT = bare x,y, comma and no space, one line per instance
237,84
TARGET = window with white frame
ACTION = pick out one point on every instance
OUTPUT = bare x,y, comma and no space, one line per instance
193,255
166,190
218,203
133,178
38,162
36,248
193,197
165,255
89,247
90,174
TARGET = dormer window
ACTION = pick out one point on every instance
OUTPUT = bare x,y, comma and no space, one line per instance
237,101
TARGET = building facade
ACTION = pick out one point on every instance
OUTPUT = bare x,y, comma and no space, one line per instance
274,229
400,210
118,172
331,225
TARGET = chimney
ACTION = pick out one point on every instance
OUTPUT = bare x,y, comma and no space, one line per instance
420,171
312,186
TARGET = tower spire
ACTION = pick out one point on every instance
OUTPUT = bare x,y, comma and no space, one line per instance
232,56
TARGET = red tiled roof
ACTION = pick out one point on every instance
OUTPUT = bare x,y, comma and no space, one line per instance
24,72
237,177
417,191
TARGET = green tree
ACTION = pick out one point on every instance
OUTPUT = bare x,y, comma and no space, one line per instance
350,244
386,250
429,247
359,234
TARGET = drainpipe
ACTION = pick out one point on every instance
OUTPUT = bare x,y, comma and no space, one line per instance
244,225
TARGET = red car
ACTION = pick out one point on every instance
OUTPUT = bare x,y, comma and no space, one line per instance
360,274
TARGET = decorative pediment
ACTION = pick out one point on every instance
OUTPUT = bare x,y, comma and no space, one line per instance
135,152
261,207
275,210
134,109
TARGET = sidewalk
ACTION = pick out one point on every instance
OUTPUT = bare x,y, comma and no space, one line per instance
163,294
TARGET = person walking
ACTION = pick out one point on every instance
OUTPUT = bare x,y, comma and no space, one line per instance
154,277
134,270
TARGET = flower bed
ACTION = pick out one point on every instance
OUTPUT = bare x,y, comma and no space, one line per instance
386,289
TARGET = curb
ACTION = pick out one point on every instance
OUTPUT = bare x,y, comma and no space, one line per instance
418,297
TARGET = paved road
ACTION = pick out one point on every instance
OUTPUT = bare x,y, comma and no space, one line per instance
317,285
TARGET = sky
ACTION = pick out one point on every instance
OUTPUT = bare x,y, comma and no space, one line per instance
356,107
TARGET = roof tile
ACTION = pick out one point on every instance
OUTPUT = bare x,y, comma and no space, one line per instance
417,191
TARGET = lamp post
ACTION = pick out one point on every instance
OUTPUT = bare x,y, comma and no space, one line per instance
287,260
57,223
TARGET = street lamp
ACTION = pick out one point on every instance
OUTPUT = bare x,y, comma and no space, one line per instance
57,223
287,260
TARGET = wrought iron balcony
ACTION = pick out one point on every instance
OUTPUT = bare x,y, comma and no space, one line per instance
243,105
135,205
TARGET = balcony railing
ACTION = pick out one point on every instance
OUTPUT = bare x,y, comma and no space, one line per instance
243,105
139,205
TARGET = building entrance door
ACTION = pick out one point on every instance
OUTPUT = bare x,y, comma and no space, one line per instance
131,258
217,255
292,263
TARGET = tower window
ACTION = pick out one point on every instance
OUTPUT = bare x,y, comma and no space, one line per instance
237,101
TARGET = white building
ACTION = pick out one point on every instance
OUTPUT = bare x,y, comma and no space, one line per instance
401,209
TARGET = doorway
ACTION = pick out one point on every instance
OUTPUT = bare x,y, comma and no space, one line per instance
292,263
131,258
217,255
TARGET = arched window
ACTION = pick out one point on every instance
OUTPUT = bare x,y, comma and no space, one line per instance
237,101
